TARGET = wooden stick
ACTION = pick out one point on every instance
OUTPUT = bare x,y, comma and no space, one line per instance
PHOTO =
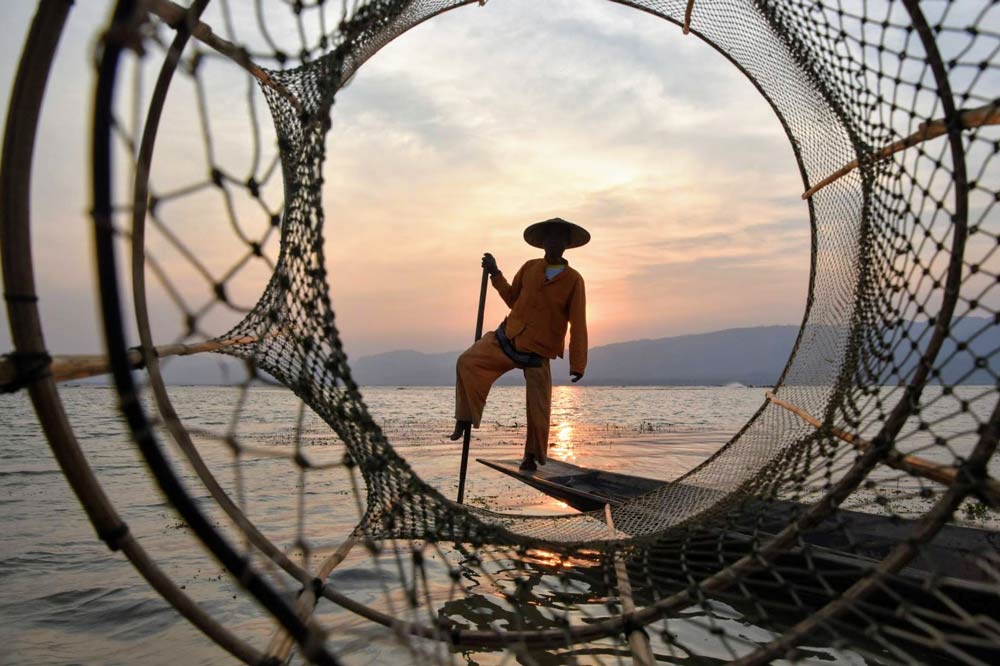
642,653
984,115
80,366
280,646
687,16
173,14
467,437
915,465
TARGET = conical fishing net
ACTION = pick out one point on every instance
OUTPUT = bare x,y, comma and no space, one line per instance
823,530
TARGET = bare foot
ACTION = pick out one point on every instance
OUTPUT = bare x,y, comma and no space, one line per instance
460,428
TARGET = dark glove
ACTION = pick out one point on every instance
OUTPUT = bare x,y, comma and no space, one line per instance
490,264
577,376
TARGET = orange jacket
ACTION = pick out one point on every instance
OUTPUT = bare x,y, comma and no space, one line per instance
540,309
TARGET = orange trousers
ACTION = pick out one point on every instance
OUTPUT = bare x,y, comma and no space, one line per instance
482,364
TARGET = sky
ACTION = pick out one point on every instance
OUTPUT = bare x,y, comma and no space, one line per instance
445,145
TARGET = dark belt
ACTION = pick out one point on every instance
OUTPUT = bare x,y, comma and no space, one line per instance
522,359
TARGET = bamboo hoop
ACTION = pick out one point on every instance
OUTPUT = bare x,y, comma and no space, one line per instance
306,633
978,117
26,329
173,15
927,528
687,16
638,641
80,366
989,491
943,509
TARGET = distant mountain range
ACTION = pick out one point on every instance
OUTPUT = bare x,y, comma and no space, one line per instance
752,356
745,355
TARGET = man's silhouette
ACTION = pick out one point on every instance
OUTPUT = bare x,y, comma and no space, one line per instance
544,297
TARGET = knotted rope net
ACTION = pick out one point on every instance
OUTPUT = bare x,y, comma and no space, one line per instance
821,531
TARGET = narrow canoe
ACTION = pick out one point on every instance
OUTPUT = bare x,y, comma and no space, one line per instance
955,549
841,550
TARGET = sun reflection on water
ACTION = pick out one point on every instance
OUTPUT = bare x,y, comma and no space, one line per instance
566,405
561,561
563,448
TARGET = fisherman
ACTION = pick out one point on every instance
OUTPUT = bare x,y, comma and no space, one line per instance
545,295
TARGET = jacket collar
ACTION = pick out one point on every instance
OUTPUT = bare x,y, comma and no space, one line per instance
561,273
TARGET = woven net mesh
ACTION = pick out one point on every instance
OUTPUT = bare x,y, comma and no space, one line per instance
795,540
885,240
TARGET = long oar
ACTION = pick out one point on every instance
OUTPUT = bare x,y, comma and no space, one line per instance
468,430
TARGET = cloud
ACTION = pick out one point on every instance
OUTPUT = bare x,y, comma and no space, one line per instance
476,123
446,144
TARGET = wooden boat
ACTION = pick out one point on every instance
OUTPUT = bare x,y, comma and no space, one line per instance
854,534
842,549
582,488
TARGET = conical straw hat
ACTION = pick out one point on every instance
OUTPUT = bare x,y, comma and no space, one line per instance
535,233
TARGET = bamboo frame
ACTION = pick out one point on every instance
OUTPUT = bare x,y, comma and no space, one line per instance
989,492
978,117
305,633
638,642
687,16
173,14
281,643
26,329
926,530
49,382
80,366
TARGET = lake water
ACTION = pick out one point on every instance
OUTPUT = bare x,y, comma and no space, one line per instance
64,599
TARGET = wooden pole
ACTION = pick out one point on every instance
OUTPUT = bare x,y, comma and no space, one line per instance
80,366
468,431
983,115
989,492
173,14
687,16
642,653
